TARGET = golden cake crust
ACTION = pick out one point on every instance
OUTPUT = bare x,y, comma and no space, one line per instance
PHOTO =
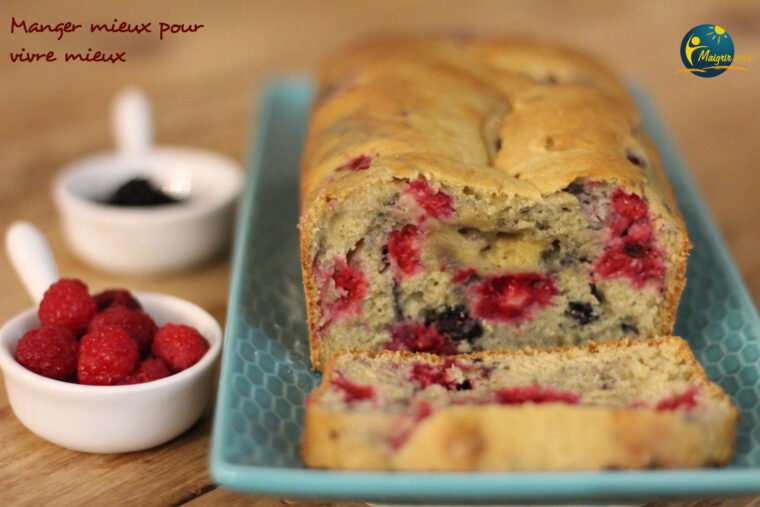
529,436
586,111
433,108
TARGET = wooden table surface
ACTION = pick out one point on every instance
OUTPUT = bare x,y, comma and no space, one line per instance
203,87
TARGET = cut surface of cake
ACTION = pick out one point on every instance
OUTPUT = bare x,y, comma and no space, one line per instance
465,195
621,404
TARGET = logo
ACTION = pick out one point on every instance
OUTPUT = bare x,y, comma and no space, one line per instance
708,51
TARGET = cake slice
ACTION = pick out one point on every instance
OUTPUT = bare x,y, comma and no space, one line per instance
621,404
461,196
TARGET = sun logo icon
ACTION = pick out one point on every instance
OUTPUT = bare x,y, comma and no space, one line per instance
707,51
718,33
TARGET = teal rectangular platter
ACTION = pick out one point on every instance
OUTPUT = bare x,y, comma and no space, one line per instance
266,373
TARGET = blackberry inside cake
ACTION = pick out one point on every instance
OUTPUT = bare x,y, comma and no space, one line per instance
625,404
461,196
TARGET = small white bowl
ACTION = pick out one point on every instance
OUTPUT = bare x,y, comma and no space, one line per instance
155,239
144,240
111,419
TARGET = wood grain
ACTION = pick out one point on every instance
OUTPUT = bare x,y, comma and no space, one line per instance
203,86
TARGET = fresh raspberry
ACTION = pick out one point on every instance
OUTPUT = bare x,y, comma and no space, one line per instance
341,298
136,323
534,394
463,275
640,231
631,206
435,204
149,369
424,375
632,252
50,351
403,250
686,400
639,262
106,356
116,297
179,346
351,287
625,210
417,337
511,297
351,390
67,303
359,163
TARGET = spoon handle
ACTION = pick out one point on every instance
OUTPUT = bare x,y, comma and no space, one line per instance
132,122
31,257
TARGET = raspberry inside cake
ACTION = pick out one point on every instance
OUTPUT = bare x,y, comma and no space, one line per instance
397,402
419,385
426,267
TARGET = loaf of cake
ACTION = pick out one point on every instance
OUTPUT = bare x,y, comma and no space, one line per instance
464,195
621,404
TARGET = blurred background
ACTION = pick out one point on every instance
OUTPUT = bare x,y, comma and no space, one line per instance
204,85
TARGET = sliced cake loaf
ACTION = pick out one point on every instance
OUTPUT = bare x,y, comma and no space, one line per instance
621,404
469,195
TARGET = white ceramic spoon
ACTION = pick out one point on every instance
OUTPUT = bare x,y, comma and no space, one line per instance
32,258
132,122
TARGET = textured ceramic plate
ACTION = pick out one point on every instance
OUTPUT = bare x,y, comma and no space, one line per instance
266,372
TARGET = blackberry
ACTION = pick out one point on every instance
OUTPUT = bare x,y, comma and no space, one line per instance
140,192
580,311
628,327
384,262
596,292
634,249
464,386
635,159
574,188
550,254
456,323
398,311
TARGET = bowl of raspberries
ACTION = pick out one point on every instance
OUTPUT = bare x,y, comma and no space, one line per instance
111,371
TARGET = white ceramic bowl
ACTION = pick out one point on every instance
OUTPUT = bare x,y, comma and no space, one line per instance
145,240
109,419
